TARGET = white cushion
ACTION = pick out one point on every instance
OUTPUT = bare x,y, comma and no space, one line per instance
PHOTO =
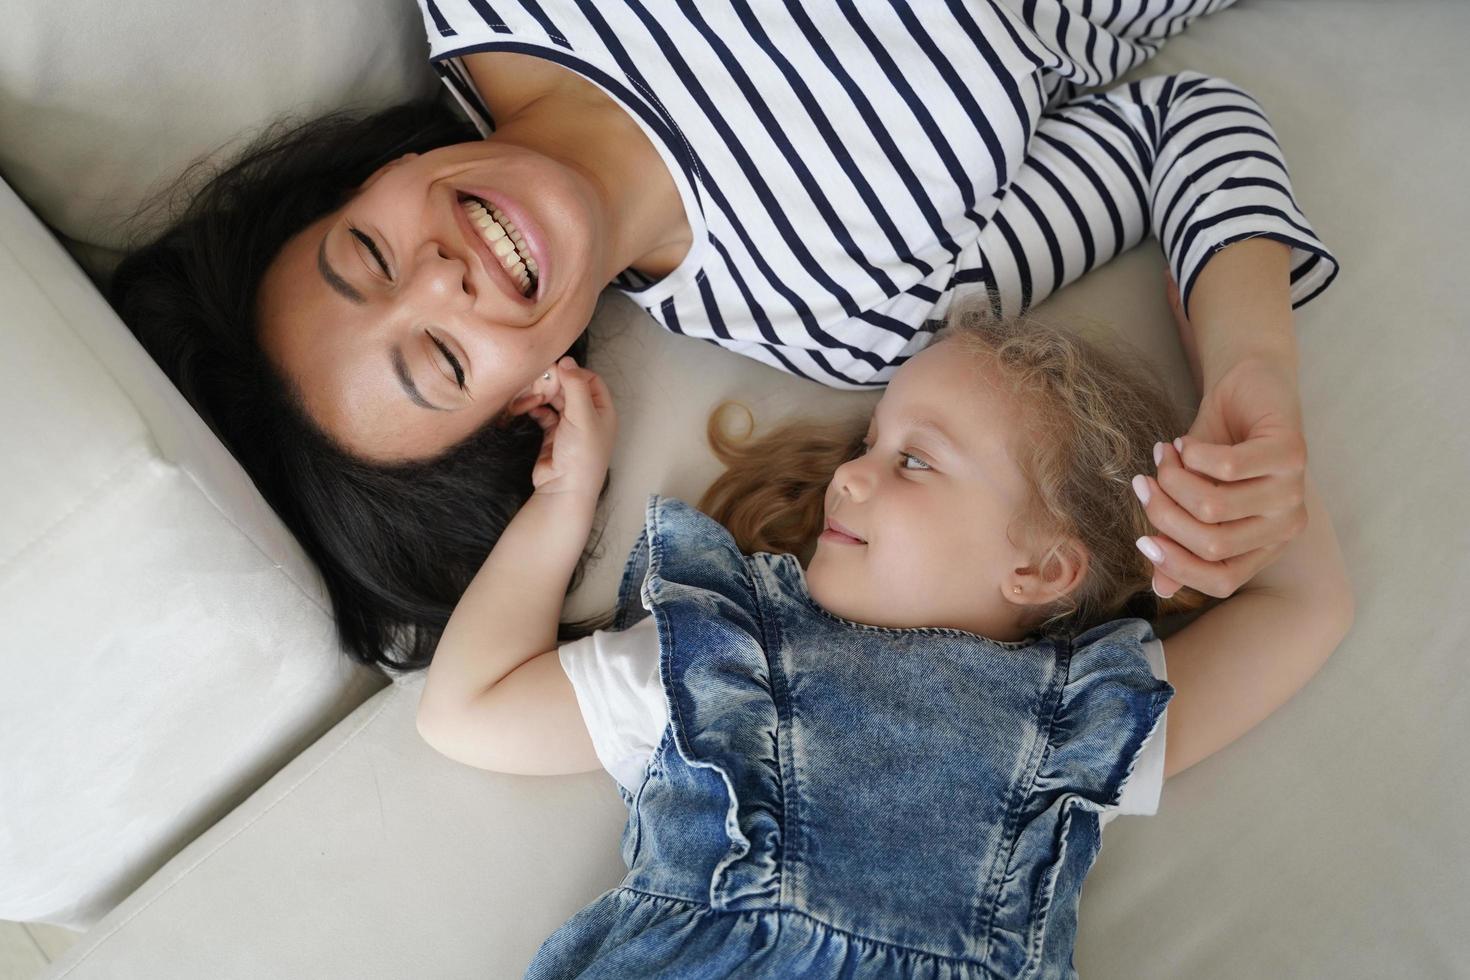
167,645
100,103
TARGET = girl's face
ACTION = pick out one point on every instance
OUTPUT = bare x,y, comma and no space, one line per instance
404,356
917,524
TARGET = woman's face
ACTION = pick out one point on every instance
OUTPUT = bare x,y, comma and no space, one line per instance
403,357
928,506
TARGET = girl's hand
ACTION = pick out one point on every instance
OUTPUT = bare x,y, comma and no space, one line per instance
1229,495
577,426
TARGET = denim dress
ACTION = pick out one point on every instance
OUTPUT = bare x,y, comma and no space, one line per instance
831,799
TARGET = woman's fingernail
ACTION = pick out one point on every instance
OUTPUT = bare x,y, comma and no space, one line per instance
1179,446
1158,454
1160,594
1140,487
1154,553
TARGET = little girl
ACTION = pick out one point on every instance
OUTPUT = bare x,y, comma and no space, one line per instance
896,762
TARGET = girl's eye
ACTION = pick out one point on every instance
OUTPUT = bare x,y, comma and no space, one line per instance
911,458
372,247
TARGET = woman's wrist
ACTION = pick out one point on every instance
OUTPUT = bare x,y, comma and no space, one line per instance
1241,309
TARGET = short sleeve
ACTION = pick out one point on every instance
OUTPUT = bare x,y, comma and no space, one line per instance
1110,709
615,676
1144,785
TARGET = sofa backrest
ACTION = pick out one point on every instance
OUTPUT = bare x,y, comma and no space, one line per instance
168,646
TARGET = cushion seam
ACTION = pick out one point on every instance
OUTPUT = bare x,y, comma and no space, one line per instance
216,849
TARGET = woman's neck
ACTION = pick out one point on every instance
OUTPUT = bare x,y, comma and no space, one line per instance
542,106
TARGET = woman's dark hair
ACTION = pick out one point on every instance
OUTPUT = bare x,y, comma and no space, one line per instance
397,544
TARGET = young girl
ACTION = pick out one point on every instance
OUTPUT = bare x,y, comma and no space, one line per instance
898,761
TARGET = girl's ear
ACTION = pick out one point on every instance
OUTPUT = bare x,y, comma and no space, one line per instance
1056,573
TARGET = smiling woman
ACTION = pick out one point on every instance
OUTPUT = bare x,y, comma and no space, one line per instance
389,293
192,297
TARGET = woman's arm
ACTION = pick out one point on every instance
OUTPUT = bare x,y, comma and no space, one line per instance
1247,434
1241,660
1192,159
496,696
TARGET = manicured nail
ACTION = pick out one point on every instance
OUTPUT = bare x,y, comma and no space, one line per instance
1160,594
1140,487
1158,454
1179,446
1154,553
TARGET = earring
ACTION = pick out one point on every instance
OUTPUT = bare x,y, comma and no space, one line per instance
546,376
1016,589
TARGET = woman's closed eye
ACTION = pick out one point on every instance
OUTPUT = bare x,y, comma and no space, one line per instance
372,247
452,361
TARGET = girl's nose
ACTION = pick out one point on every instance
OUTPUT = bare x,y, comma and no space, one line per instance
853,479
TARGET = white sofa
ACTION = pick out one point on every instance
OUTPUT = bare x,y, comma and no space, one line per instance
1329,842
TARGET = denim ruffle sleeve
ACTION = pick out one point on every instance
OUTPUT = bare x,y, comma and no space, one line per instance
1109,706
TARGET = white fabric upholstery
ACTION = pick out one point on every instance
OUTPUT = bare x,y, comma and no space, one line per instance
167,646
101,102
1327,843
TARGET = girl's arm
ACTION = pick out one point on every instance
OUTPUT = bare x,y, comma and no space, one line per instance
1241,660
496,696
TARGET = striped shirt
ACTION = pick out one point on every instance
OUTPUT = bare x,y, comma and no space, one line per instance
847,167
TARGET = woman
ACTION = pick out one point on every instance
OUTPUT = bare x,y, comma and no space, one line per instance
366,312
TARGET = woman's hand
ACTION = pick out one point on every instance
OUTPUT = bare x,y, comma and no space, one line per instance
1229,494
577,425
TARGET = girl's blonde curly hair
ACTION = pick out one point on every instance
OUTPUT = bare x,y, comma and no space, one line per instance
1092,415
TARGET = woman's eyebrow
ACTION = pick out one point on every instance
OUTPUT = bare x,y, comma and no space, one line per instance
400,368
342,286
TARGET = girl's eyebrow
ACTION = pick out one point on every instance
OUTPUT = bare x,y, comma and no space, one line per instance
934,429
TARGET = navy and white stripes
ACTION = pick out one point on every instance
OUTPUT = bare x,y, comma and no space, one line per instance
846,166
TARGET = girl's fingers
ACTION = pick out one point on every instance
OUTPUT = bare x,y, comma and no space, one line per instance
576,386
601,396
589,401
1263,455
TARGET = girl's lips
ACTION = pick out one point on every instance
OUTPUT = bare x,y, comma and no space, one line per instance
492,265
528,227
838,534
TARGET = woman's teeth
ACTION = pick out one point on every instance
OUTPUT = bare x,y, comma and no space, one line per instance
506,242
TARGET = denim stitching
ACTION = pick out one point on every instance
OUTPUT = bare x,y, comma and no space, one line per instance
1022,790
774,638
855,937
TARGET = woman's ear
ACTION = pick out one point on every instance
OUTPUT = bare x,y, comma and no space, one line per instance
542,391
1058,572
376,174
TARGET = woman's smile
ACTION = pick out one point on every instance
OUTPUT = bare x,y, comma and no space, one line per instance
489,261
